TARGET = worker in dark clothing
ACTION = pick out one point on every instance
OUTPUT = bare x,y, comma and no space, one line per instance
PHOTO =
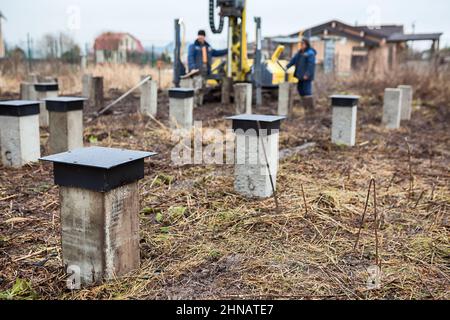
200,56
305,69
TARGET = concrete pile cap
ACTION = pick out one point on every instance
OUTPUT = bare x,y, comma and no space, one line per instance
181,93
65,104
19,108
47,86
98,169
250,121
339,100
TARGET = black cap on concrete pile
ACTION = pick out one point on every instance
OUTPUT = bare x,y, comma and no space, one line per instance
339,100
98,169
250,122
19,108
44,87
181,93
65,104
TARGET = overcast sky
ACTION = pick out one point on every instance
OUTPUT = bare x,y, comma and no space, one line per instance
152,20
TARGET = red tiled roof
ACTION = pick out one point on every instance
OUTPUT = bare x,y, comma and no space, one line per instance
110,41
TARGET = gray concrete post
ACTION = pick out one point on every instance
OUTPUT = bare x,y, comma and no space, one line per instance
252,176
19,132
343,130
45,91
187,83
227,85
199,87
392,108
99,197
93,91
27,91
149,98
196,83
181,108
66,123
284,99
97,98
243,98
407,100
86,85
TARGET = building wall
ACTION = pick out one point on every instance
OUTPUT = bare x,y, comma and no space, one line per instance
99,56
344,51
116,57
127,44
343,54
350,55
378,59
319,46
102,56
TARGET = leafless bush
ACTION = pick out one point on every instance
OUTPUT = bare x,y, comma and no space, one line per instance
431,84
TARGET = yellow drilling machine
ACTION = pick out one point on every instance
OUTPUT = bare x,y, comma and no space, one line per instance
263,73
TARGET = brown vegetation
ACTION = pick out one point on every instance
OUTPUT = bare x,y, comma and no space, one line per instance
199,239
119,77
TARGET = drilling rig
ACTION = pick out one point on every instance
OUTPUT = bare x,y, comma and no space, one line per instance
238,67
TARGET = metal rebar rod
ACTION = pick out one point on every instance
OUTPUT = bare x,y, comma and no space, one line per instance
102,111
275,197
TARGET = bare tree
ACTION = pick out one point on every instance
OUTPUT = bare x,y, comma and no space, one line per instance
49,46
55,45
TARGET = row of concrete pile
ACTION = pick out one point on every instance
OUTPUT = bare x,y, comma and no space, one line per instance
20,121
99,192
397,107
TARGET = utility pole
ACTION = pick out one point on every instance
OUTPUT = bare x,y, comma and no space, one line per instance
86,52
61,49
153,55
30,68
177,54
54,45
258,67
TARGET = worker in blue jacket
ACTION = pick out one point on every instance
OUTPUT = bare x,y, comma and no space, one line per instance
201,53
305,69
200,56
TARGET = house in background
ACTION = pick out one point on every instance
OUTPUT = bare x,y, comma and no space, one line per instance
116,47
342,48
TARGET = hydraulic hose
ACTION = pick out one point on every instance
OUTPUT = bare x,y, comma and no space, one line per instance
212,23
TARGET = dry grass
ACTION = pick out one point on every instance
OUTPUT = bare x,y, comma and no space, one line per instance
432,84
199,239
119,77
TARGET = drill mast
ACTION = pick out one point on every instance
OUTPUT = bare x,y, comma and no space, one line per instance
238,67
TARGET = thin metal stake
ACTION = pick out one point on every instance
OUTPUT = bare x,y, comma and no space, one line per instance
102,111
275,197
372,182
304,200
